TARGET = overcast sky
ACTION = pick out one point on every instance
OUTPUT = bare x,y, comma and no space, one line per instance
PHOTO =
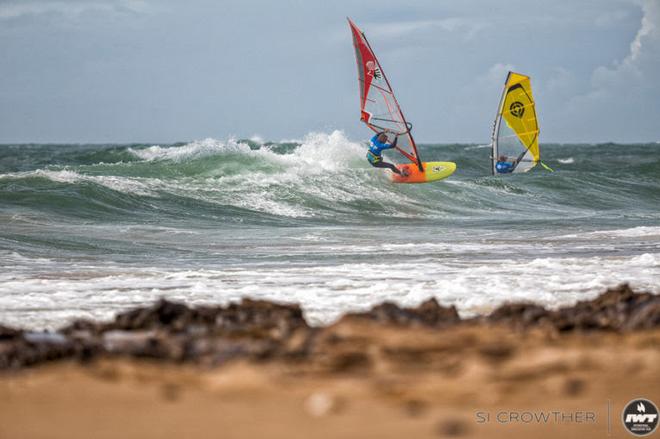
165,70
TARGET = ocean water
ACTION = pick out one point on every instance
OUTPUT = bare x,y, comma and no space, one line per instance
88,230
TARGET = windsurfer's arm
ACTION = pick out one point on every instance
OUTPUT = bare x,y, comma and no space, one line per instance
389,145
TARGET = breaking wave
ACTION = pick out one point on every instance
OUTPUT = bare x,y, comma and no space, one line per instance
323,177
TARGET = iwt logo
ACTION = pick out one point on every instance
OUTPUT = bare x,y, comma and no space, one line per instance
640,417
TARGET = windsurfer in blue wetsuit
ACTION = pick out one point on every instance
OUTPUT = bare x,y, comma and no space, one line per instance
504,166
374,155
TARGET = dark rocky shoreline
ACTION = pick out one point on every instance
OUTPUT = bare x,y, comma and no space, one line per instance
263,331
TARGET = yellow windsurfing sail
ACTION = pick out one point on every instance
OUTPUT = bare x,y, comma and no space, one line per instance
516,130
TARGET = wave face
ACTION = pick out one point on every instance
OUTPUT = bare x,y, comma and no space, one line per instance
90,229
322,179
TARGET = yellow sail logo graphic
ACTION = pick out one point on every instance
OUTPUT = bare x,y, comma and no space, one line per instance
517,109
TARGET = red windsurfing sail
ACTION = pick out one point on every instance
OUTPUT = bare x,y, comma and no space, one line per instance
379,108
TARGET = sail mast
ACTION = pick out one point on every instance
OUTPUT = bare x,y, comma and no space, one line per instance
496,127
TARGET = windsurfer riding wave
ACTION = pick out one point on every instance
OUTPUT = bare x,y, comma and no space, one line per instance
377,144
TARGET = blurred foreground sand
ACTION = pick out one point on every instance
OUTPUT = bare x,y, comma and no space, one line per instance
370,380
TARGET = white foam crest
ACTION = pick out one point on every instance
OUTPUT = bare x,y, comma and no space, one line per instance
290,140
322,167
259,203
647,260
256,191
318,153
634,232
566,161
256,138
196,149
63,176
325,166
324,290
641,231
332,151
119,184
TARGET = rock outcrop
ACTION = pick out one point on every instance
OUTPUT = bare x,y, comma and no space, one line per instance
259,331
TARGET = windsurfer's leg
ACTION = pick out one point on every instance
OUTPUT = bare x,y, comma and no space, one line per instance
392,168
386,165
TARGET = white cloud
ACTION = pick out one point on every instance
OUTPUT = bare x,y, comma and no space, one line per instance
447,60
468,28
650,30
644,50
71,8
620,94
496,74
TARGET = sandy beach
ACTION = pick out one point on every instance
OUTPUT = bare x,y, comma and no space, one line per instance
391,372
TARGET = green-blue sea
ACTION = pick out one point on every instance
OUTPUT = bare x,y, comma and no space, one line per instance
87,230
